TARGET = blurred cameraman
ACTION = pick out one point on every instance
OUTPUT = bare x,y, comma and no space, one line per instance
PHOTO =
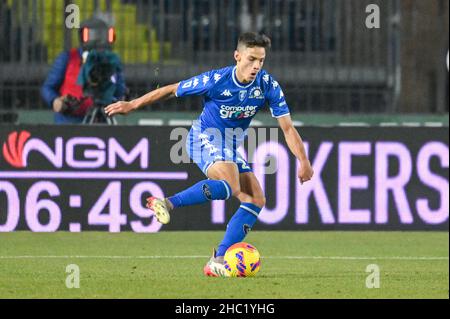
62,91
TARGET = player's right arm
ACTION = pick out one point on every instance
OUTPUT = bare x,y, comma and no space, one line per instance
198,85
161,94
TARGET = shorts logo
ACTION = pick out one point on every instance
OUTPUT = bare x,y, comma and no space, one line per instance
244,164
207,191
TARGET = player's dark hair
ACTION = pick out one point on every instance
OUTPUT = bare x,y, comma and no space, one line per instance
252,39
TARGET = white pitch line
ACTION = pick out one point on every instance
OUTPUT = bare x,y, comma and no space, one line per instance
360,258
267,257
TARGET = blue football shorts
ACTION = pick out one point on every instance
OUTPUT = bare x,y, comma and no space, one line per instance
205,150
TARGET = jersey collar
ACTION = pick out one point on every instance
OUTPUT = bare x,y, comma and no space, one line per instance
235,80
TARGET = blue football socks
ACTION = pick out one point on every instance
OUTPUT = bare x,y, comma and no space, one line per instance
201,193
239,226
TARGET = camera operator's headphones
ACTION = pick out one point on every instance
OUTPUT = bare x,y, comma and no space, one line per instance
96,34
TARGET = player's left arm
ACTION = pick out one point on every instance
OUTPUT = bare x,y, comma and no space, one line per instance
295,143
280,111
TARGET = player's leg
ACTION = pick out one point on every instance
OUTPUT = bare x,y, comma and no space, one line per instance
246,188
251,187
200,193
226,171
203,191
229,172
252,201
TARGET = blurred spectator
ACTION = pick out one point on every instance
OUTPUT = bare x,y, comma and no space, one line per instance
251,17
62,89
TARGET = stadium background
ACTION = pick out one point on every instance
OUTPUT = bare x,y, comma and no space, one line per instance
344,83
326,58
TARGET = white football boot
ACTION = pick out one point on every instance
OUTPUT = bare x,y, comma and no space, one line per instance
160,208
215,267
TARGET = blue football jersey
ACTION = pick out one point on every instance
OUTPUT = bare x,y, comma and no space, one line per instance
231,104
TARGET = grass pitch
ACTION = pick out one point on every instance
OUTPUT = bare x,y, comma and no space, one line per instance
169,265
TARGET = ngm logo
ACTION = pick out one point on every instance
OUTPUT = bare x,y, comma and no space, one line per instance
95,152
13,148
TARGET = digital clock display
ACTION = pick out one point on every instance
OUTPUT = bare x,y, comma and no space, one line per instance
49,206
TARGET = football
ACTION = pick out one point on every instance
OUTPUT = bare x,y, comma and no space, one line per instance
242,260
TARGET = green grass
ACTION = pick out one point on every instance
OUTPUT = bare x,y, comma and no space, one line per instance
139,276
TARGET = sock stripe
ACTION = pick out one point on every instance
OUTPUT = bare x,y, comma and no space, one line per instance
227,188
249,210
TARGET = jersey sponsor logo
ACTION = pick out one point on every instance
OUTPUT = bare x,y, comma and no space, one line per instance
237,112
256,93
242,95
226,93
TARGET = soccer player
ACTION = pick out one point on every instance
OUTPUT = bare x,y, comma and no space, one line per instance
232,97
